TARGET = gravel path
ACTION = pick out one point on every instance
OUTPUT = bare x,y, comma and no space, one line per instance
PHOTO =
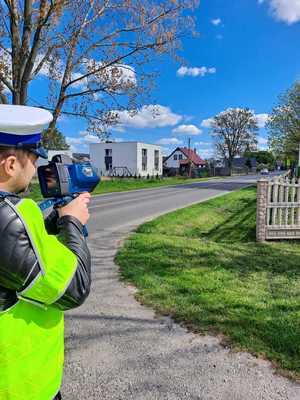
119,349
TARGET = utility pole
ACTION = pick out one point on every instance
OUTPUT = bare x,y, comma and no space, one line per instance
298,169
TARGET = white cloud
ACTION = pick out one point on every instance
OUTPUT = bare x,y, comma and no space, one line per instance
91,139
83,133
118,76
73,140
117,128
87,138
207,123
203,144
151,116
187,130
205,154
284,10
262,143
166,150
262,140
195,71
216,21
262,119
166,141
84,138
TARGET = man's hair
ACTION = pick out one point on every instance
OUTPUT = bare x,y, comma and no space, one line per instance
6,151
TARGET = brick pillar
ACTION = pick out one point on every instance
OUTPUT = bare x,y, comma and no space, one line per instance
261,209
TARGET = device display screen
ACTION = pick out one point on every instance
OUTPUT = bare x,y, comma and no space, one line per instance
50,177
50,180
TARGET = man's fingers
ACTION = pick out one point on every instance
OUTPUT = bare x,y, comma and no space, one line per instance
85,200
85,194
85,197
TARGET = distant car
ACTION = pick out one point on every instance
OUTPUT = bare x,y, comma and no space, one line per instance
264,171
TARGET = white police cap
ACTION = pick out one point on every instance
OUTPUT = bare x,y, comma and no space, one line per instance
22,126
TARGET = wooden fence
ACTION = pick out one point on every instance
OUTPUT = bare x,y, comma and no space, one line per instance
278,209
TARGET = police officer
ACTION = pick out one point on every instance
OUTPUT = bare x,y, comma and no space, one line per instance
44,265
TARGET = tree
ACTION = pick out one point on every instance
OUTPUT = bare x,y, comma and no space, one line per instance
94,53
234,131
248,163
261,157
284,125
53,139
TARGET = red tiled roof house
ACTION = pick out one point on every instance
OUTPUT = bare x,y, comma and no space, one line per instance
181,158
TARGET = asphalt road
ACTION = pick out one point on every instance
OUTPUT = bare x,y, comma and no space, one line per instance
119,210
119,349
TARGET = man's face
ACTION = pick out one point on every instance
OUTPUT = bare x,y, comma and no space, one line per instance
25,170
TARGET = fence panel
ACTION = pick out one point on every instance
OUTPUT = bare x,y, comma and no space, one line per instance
278,209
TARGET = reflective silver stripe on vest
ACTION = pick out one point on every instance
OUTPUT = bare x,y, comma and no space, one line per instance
36,303
30,272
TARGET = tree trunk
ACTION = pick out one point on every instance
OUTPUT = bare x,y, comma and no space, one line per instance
230,166
24,94
16,98
56,113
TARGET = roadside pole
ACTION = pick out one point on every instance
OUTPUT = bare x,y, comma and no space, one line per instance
298,169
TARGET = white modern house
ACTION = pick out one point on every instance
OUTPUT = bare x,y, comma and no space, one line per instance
126,159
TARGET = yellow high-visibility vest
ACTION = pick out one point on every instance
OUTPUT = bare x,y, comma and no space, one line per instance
32,330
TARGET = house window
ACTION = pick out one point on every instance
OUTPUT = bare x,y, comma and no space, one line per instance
108,159
180,157
175,157
156,160
144,159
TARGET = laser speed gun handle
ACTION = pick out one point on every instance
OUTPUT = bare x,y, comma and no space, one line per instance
60,202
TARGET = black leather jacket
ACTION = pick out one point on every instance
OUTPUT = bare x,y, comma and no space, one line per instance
19,265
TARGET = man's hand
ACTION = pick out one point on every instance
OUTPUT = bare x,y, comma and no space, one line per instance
77,208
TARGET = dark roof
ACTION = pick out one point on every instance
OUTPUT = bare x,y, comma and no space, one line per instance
81,156
192,155
240,162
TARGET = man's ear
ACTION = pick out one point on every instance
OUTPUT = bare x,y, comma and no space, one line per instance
9,165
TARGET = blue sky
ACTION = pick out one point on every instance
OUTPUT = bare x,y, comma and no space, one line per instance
246,54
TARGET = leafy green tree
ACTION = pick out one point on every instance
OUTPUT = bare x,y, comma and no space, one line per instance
53,139
261,157
234,131
284,124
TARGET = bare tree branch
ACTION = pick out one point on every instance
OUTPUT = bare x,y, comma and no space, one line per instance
6,83
3,98
83,47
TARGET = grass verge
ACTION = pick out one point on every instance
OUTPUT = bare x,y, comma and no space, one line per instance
121,185
202,266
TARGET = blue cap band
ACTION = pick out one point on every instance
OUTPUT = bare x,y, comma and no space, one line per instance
14,140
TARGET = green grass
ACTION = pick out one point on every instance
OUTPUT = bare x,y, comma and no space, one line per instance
202,266
121,185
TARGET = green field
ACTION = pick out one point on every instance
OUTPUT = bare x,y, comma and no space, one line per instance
202,266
